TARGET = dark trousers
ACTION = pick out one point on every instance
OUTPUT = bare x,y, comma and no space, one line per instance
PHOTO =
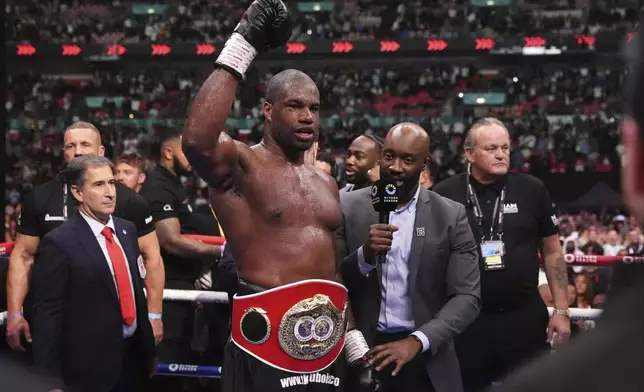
413,376
174,351
498,342
130,379
178,327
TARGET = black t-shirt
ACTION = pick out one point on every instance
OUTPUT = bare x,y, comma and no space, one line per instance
163,192
42,209
528,216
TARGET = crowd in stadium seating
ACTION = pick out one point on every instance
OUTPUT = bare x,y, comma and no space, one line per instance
102,21
597,234
561,120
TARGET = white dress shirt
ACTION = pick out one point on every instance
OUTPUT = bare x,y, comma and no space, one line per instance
395,308
97,228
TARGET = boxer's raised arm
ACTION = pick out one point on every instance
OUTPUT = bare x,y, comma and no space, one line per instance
211,152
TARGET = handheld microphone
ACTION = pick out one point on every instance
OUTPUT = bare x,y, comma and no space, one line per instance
384,197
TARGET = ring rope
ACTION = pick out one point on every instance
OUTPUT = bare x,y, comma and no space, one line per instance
182,370
571,259
185,370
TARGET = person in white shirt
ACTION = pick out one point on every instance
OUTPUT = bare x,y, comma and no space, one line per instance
612,245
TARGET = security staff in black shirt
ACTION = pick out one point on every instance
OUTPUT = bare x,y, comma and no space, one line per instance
510,214
48,206
607,358
185,259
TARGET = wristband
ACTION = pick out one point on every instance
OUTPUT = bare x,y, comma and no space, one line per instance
14,316
355,346
237,55
155,316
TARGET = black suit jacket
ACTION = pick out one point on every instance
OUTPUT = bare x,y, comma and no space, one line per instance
77,325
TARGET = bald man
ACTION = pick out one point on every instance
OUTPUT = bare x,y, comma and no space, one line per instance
427,291
362,162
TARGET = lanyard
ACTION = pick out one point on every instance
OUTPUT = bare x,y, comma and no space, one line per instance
497,214
65,202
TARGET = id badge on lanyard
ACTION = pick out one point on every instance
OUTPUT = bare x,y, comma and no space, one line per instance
493,252
492,248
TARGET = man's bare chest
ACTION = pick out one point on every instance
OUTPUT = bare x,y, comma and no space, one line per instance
294,200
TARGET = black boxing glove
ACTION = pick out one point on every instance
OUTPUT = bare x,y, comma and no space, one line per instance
265,25
362,377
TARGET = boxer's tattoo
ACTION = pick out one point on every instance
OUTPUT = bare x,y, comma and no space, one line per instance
561,272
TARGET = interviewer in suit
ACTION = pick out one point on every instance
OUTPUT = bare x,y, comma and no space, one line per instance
428,289
91,323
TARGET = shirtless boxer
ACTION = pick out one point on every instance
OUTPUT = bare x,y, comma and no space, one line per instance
279,214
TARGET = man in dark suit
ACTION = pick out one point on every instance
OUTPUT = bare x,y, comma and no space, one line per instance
91,324
428,289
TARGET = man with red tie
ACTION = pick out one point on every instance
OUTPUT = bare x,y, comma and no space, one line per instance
91,326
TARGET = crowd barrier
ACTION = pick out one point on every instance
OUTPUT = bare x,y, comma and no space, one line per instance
187,370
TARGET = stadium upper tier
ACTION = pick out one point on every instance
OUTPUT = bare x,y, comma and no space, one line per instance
109,21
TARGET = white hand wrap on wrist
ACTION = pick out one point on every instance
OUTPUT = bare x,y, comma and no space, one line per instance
237,54
355,346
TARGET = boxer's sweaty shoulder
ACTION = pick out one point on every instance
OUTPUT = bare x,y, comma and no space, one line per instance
279,219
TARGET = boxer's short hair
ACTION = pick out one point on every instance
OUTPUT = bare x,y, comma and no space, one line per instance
166,134
376,139
83,125
134,160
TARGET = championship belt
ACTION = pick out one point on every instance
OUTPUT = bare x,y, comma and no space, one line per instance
298,327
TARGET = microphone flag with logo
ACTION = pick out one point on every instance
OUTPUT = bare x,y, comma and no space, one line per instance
384,197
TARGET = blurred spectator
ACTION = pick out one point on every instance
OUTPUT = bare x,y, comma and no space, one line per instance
613,243
584,291
635,246
325,162
592,245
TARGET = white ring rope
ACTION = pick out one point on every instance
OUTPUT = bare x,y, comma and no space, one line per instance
217,297
220,297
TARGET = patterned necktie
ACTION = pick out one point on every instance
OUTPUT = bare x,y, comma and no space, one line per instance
122,278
